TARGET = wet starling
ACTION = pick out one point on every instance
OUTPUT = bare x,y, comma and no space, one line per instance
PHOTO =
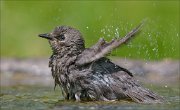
86,74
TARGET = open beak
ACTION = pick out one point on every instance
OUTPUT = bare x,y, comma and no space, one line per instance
47,36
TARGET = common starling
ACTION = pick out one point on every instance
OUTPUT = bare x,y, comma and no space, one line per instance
86,74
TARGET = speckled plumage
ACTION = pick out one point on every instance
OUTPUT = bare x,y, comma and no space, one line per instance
86,74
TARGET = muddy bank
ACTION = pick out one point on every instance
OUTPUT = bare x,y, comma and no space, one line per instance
37,72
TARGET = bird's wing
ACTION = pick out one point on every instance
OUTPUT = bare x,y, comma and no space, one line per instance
115,82
105,66
101,82
102,48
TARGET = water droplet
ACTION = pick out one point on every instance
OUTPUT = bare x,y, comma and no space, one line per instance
108,30
109,35
116,33
154,49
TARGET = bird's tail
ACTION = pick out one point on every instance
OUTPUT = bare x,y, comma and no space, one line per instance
143,95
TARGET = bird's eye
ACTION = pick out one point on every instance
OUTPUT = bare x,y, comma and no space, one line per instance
61,37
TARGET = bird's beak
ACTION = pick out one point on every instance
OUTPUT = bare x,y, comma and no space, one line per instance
47,36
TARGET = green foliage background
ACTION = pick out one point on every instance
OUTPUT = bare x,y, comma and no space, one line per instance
22,21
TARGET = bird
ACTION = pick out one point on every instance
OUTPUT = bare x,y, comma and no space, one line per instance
86,74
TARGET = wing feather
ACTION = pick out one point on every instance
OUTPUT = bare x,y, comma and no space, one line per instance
119,84
102,48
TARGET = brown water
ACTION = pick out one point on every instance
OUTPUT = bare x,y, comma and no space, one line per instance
45,98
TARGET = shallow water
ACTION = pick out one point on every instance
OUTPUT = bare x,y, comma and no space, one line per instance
45,98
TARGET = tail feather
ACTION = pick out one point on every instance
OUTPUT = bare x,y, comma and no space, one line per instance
143,95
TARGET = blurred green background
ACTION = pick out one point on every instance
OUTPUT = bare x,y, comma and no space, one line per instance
22,21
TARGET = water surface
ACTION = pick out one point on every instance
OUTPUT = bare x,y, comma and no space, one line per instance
45,98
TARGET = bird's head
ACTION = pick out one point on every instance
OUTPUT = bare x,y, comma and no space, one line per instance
63,38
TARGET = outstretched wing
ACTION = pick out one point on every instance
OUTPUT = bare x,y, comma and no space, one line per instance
102,48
